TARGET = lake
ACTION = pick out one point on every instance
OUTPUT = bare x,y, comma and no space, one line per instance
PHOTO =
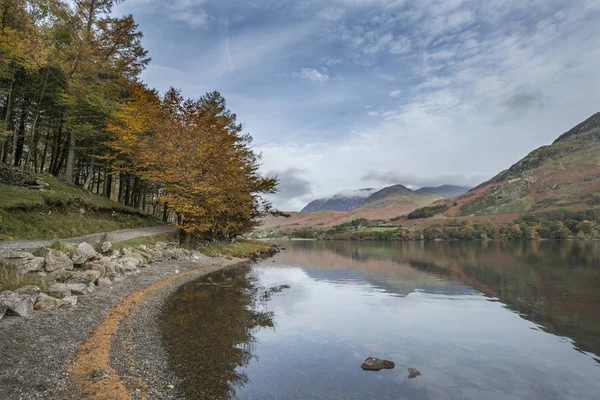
490,320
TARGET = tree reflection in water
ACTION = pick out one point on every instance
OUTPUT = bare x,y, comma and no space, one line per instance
208,328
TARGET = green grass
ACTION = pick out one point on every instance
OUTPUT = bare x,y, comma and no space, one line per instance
63,211
12,279
19,224
146,240
241,249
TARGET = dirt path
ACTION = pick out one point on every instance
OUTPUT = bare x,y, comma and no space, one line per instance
52,354
114,236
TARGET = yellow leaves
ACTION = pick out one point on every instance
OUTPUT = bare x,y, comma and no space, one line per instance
25,48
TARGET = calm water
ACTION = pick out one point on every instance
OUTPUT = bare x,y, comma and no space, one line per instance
479,320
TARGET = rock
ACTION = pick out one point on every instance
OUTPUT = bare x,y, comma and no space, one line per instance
131,260
62,275
3,309
160,245
93,275
375,364
99,374
21,301
58,290
104,283
413,373
45,302
79,289
57,260
81,277
83,253
180,254
142,247
106,247
115,254
26,262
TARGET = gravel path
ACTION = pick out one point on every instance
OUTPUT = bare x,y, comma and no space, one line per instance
115,236
35,353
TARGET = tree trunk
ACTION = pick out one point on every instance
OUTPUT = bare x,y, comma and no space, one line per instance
165,212
70,159
19,137
7,114
43,161
33,139
90,177
107,182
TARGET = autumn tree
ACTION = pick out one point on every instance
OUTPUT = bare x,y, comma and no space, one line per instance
197,151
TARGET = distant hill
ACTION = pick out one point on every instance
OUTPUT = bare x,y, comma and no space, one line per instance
397,196
340,202
443,190
563,175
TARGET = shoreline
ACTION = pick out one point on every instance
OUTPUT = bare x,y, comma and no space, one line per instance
38,353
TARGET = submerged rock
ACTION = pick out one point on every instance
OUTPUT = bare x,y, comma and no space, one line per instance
413,373
375,364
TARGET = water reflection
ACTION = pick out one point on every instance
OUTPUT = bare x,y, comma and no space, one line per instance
479,320
208,328
555,284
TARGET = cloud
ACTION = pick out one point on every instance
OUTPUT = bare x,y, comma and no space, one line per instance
524,100
188,11
331,14
393,177
395,93
292,185
313,75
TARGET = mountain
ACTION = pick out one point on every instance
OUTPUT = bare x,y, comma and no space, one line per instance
339,202
397,196
443,190
563,175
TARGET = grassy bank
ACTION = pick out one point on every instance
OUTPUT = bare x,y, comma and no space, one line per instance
62,211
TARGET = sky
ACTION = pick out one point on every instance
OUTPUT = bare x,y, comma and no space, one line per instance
347,94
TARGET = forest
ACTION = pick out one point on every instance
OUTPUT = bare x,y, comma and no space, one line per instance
73,105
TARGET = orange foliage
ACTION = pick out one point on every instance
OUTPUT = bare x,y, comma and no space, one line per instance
196,151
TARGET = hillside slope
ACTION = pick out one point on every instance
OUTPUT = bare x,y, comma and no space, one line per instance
565,174
443,190
41,207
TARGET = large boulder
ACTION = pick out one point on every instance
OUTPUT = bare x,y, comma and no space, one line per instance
376,364
3,309
26,262
83,253
56,260
21,301
45,302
